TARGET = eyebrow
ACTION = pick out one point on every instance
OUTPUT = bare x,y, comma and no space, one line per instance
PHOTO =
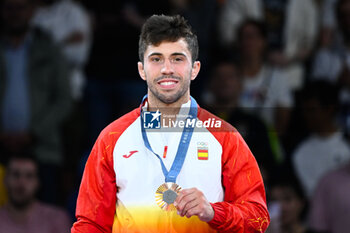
173,54
154,54
178,54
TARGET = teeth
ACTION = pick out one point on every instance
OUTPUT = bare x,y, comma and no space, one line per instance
167,83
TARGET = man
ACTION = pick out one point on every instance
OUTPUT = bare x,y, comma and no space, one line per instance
226,86
265,88
330,63
222,189
35,96
287,205
325,149
292,28
69,25
333,63
23,213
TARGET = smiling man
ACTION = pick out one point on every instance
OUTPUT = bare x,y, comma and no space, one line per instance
193,179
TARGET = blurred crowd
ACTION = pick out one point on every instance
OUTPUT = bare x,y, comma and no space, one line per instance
277,70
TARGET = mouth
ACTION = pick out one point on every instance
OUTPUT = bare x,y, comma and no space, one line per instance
168,83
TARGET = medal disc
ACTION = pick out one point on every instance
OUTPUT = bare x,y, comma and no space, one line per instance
166,195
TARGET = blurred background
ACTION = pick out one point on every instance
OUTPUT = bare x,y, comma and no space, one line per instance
277,70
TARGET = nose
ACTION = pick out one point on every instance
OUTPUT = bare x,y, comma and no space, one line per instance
167,68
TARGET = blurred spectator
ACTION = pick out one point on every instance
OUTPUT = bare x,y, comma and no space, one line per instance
333,63
328,27
326,148
69,25
233,14
296,130
111,69
292,27
35,95
226,87
287,205
265,88
331,203
201,15
328,18
23,213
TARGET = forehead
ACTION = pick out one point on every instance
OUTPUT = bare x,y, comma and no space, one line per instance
249,29
167,48
21,164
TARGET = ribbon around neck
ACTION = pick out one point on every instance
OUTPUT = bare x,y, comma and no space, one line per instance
171,175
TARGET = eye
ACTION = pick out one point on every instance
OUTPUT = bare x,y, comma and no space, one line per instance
156,59
178,59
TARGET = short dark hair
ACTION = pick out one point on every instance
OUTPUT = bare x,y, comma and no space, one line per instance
325,92
21,156
160,28
224,61
259,25
289,179
285,177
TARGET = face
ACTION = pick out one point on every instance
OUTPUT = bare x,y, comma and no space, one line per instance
315,115
252,43
291,205
226,83
16,15
21,182
168,71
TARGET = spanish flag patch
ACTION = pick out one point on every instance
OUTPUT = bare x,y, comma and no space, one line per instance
202,150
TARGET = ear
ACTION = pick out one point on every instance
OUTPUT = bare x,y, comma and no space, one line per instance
141,70
195,69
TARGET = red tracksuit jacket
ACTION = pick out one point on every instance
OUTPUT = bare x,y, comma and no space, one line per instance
117,192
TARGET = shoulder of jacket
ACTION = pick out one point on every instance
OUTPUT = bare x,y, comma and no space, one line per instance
225,132
117,127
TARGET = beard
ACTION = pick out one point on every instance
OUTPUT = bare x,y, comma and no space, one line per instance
21,203
168,99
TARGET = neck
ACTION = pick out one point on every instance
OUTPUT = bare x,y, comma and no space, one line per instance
19,215
251,67
167,108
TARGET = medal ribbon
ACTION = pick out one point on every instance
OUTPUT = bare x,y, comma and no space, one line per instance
170,176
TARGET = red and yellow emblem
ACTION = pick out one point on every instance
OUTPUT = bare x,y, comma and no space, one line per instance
202,151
